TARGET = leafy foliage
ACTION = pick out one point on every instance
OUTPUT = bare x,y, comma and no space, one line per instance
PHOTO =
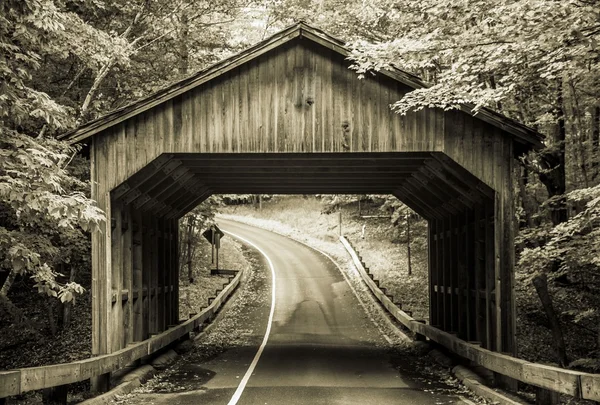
43,207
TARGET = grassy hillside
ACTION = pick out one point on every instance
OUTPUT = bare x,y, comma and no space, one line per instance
380,247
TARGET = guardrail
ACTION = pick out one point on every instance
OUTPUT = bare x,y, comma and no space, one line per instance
19,381
575,383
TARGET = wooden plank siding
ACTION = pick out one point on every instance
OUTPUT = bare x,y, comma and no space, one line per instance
297,100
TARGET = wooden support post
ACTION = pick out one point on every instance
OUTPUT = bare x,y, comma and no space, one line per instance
55,395
445,260
439,256
469,268
489,277
175,266
340,221
146,275
157,313
127,232
161,272
462,291
546,397
116,329
433,272
101,260
454,285
479,270
166,269
138,279
100,383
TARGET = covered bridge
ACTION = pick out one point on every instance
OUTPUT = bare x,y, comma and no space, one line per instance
288,116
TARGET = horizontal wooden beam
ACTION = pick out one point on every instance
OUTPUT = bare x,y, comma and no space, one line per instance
293,156
414,205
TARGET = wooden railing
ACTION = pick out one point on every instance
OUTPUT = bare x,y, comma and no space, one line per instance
575,383
19,381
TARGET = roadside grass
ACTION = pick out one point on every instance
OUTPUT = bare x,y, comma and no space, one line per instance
381,253
194,297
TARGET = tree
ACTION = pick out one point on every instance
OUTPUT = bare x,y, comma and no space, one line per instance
190,228
43,207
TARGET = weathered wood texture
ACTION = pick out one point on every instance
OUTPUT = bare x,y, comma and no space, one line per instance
321,130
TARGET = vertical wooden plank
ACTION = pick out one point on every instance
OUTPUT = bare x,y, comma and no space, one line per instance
138,278
281,101
498,239
433,272
140,141
160,272
440,129
453,259
220,89
269,112
96,167
469,268
167,126
318,107
446,278
154,285
197,120
327,89
147,121
479,275
309,100
127,243
254,107
177,124
165,274
174,224
462,294
101,260
299,118
508,254
116,328
489,274
469,158
185,143
477,142
290,102
200,119
146,274
229,111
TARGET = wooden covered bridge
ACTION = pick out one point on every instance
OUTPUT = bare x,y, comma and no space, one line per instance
288,116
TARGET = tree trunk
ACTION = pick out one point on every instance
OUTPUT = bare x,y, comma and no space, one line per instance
553,161
190,230
596,143
408,244
10,279
523,180
184,54
68,306
52,319
540,282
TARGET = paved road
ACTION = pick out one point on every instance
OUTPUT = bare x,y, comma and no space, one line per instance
322,347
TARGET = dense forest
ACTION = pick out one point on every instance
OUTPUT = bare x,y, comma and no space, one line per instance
65,62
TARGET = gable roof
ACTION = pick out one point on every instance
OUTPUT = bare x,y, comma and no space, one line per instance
521,133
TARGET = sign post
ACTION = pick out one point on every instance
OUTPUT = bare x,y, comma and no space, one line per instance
213,235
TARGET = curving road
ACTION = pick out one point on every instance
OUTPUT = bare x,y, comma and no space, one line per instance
322,348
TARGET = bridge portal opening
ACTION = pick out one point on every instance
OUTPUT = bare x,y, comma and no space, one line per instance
459,209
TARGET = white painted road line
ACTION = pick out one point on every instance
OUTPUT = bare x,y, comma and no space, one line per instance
240,389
